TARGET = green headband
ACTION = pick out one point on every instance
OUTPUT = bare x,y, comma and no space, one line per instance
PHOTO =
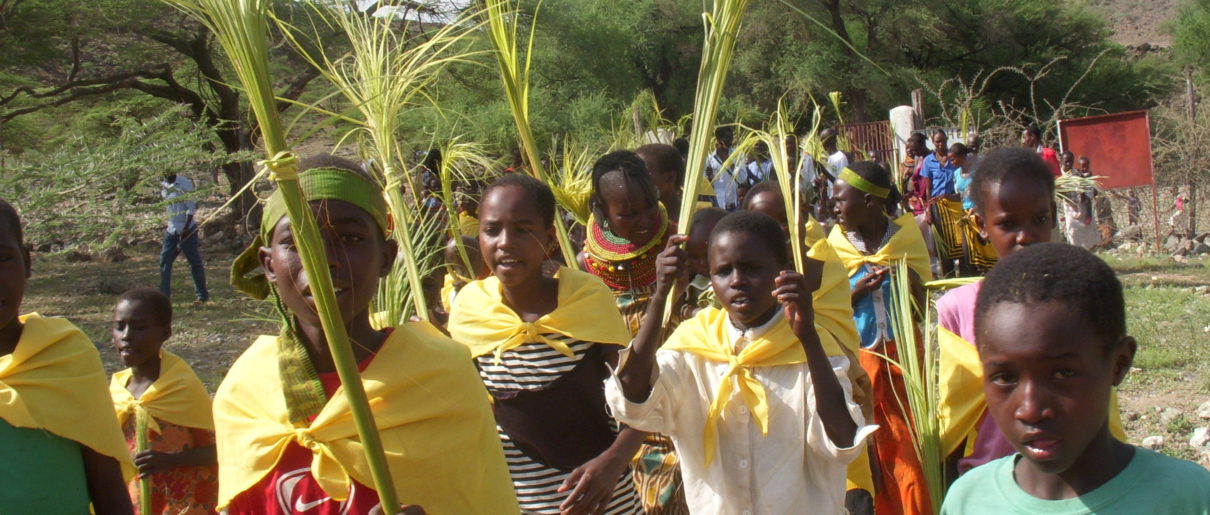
859,182
316,184
301,387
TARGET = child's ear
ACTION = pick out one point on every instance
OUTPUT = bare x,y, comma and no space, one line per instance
264,255
1123,358
980,224
390,249
29,262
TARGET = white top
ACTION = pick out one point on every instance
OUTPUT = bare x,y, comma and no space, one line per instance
178,212
837,162
723,180
794,469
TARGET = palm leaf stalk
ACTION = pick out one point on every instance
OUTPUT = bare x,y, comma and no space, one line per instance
842,136
459,163
721,26
1070,186
242,29
780,128
142,443
572,182
919,364
383,74
514,76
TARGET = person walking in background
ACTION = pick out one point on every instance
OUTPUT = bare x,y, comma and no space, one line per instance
181,236
1133,207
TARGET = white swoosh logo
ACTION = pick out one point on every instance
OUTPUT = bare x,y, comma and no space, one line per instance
301,506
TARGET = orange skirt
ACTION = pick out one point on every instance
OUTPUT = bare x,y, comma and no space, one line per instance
899,484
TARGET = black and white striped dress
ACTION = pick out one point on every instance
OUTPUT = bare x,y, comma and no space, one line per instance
533,366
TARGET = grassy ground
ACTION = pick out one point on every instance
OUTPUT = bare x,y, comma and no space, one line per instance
1168,314
209,336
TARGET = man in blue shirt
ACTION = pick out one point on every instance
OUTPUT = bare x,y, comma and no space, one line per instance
937,167
181,236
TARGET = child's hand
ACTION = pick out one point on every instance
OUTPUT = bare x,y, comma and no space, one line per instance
872,281
790,289
154,462
671,265
592,484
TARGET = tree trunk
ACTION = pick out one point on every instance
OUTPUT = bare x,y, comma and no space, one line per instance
1191,94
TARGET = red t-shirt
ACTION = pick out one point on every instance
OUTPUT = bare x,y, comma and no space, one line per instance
1052,160
290,488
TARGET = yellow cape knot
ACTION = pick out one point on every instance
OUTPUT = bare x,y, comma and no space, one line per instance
303,437
531,332
283,166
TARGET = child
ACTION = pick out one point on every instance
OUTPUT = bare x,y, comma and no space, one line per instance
626,230
962,176
1052,334
60,443
456,274
868,241
542,344
698,293
1014,208
667,170
161,388
286,437
755,395
834,313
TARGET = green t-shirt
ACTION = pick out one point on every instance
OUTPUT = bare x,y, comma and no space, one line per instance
1152,483
40,472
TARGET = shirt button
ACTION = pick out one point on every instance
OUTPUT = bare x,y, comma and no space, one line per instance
743,464
743,409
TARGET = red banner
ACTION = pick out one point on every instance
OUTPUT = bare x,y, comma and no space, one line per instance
1117,145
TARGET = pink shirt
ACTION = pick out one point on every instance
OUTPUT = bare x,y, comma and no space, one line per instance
956,313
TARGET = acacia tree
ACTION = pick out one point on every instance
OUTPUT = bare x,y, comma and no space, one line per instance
66,51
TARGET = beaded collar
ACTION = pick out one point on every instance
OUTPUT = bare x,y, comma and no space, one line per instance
619,262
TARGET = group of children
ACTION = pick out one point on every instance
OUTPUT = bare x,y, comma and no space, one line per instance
556,390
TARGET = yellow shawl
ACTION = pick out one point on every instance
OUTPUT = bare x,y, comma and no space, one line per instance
705,335
177,396
54,381
430,408
962,403
586,311
907,242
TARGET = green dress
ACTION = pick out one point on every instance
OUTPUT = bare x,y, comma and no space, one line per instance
41,472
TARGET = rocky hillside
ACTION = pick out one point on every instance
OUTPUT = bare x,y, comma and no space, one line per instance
1136,23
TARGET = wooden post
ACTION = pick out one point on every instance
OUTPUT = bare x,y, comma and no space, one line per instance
918,106
1191,97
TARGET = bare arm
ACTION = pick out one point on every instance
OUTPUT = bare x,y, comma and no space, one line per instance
635,373
106,488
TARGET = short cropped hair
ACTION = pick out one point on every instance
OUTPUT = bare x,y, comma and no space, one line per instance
539,192
10,218
1061,273
706,216
152,300
1004,162
633,171
879,176
761,187
757,224
666,158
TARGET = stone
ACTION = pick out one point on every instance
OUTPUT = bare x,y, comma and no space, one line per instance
1173,242
1201,289
1168,415
1201,436
1203,411
113,255
76,256
1200,249
1153,442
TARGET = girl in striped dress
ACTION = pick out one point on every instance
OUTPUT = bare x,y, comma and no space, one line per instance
542,344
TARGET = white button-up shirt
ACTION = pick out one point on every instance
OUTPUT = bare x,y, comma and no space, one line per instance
794,469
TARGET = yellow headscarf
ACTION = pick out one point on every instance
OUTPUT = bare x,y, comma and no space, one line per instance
705,335
962,403
54,381
586,311
907,242
177,396
430,408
